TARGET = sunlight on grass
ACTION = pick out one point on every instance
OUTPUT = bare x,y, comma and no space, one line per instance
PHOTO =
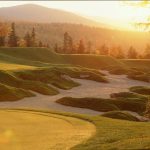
7,66
31,130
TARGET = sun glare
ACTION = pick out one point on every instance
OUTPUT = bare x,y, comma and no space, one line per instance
119,14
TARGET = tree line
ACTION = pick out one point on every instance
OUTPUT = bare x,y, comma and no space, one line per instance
9,38
70,47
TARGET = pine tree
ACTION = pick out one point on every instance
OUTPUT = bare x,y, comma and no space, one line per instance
146,54
4,30
33,37
70,44
12,39
40,44
104,50
89,47
65,46
132,53
56,48
81,47
28,40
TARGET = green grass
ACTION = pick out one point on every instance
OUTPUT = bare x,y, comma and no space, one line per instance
120,115
40,79
45,55
141,90
115,134
110,133
8,93
135,104
140,64
34,68
26,130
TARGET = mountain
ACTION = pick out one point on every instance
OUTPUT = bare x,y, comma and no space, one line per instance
50,25
40,14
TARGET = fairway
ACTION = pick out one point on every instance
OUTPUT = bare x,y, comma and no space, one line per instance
28,130
9,66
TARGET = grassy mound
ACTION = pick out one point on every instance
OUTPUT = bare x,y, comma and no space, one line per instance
141,90
8,93
129,95
141,77
120,115
40,79
104,105
9,78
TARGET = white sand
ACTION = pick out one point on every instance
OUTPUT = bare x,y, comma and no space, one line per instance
117,83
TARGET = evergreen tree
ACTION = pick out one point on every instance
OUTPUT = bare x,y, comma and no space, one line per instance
68,43
65,46
28,40
132,53
104,50
40,44
33,37
81,47
56,48
117,52
12,39
4,30
89,47
147,52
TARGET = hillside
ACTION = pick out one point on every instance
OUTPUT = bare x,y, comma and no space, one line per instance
43,55
29,13
53,33
51,24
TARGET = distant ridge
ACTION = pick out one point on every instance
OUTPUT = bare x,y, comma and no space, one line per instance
41,14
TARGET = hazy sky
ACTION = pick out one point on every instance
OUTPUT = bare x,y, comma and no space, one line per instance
114,12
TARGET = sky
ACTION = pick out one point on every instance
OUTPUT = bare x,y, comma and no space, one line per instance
116,13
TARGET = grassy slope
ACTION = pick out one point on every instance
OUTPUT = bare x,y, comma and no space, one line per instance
120,115
32,69
41,56
138,63
47,56
141,90
115,134
110,133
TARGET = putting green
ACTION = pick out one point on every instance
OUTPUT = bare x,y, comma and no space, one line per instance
29,130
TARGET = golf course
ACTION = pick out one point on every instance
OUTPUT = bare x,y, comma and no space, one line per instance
51,101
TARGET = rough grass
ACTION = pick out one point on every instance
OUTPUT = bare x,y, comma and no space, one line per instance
140,64
115,134
120,115
104,105
8,93
26,130
40,79
141,90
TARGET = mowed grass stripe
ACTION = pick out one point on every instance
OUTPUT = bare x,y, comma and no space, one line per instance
9,66
21,130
